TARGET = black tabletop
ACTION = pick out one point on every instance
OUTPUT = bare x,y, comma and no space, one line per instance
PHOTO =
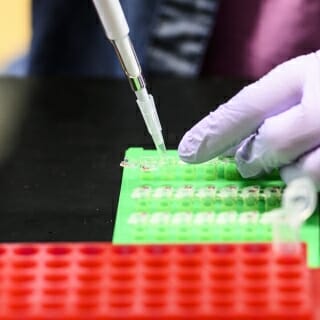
61,142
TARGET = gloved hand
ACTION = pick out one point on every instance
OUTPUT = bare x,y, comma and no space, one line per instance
274,122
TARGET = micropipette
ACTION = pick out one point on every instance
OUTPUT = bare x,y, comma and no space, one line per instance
117,31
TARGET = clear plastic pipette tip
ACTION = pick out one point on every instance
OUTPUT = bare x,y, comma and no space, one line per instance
149,112
161,148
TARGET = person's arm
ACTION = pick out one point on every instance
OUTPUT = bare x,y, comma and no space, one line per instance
271,123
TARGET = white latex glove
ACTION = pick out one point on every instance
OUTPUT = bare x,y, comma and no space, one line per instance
273,123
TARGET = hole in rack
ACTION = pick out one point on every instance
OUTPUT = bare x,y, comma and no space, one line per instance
256,248
190,249
121,303
223,303
55,291
189,302
92,250
87,305
157,263
157,250
121,290
19,305
290,287
156,290
183,237
290,274
160,237
123,263
59,250
222,249
189,291
21,292
124,250
120,276
89,292
26,251
190,276
56,277
155,303
289,260
190,262
222,274
23,277
90,277
222,289
256,288
256,303
90,264
290,303
139,238
256,274
57,264
53,305
255,261
24,264
156,276
222,261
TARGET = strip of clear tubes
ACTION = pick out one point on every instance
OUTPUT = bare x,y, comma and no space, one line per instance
299,201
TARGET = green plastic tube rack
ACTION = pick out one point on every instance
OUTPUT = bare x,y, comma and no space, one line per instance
164,200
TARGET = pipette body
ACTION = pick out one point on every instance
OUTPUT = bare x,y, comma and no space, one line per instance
117,31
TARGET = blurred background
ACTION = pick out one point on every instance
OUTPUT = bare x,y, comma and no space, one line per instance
180,38
15,30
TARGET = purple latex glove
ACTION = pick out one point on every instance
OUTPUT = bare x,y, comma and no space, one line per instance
273,123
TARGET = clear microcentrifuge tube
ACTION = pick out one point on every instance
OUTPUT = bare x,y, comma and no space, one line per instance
250,196
204,218
184,197
272,197
226,218
141,192
138,218
248,225
185,171
205,197
141,196
228,196
226,226
182,219
162,197
160,218
248,218
298,203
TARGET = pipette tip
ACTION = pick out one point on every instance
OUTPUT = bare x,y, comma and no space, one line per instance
161,148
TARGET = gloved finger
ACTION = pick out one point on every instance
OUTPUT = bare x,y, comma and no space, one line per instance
279,141
308,165
243,114
285,137
230,152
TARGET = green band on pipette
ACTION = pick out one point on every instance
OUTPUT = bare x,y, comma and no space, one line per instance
137,83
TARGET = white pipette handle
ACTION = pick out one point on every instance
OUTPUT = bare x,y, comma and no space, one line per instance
112,18
117,31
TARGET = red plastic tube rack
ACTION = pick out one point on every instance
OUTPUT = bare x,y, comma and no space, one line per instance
102,281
